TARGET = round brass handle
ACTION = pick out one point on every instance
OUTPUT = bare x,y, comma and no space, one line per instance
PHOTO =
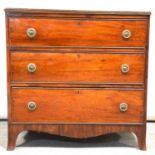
31,67
125,68
123,107
31,32
31,106
126,34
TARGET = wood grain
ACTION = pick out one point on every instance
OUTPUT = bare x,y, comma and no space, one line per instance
82,102
78,131
77,105
77,67
12,12
78,32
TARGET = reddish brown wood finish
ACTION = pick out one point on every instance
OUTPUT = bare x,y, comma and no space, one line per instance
71,67
81,41
77,32
77,131
73,49
12,12
77,105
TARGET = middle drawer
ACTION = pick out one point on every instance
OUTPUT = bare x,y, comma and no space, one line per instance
77,67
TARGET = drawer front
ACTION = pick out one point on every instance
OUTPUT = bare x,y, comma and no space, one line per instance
76,32
76,105
77,68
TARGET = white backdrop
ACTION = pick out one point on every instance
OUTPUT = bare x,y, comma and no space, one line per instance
100,5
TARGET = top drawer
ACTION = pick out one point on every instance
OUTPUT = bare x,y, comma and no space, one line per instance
26,31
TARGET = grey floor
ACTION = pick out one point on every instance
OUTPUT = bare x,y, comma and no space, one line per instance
35,140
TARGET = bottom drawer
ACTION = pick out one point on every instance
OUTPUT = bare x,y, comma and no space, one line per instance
48,105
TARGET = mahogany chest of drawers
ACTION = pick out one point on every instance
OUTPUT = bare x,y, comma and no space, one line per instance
78,74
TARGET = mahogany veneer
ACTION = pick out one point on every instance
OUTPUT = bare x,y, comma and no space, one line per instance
79,32
77,67
77,73
83,105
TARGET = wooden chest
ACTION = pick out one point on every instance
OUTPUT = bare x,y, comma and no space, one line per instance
77,73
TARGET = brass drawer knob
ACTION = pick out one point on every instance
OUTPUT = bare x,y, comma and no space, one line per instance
126,34
31,32
31,106
31,67
123,107
125,68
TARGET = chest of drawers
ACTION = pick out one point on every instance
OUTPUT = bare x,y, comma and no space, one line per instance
78,74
